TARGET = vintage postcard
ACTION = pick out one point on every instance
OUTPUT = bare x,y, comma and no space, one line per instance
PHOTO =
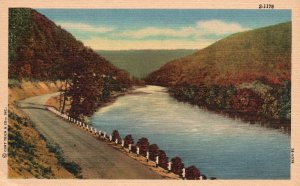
152,93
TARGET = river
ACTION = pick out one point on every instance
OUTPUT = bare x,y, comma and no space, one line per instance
219,146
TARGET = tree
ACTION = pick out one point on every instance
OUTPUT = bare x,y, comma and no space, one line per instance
177,165
192,173
133,148
153,152
163,159
128,140
116,135
143,144
246,101
284,101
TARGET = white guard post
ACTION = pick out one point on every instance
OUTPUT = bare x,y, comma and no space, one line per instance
137,151
116,141
156,161
147,156
183,173
169,166
110,137
122,143
104,135
201,178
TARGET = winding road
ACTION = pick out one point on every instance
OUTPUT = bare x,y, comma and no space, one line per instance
96,158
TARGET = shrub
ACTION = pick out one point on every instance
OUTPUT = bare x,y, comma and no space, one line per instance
192,173
143,144
163,159
177,165
153,151
116,135
133,148
128,140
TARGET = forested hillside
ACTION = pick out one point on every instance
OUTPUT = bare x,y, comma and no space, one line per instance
247,74
41,50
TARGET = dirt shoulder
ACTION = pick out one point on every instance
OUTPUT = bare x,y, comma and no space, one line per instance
30,155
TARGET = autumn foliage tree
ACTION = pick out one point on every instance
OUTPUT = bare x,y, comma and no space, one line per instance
192,173
163,159
177,165
133,148
143,144
116,135
128,140
246,101
153,151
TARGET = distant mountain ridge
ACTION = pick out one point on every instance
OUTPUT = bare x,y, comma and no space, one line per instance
263,54
140,63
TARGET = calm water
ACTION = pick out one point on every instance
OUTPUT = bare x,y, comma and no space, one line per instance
217,145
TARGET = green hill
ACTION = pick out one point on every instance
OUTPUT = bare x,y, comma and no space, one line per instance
141,63
263,54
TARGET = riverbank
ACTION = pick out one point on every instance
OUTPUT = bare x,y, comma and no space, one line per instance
245,104
283,125
54,100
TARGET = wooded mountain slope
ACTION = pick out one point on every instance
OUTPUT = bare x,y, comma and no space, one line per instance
245,75
41,50
261,54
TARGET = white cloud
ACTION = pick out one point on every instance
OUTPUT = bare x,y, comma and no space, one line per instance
219,27
215,27
141,38
85,27
155,31
108,44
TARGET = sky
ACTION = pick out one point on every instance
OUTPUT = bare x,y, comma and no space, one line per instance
125,29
